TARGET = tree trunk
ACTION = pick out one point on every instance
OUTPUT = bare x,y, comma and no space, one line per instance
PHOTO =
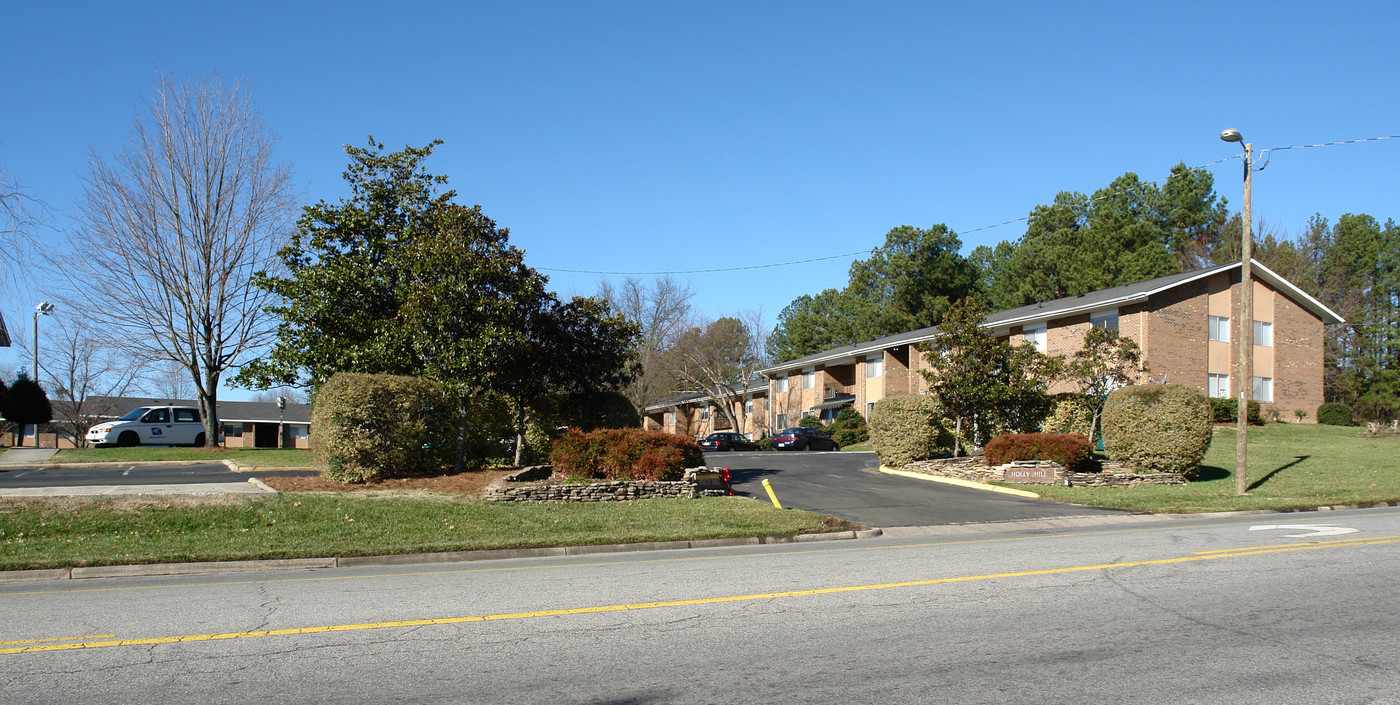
459,458
957,437
519,436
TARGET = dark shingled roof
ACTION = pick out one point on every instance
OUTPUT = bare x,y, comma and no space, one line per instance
229,411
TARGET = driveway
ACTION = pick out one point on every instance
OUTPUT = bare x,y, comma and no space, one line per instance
848,485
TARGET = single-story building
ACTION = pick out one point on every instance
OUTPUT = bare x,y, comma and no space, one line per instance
246,424
1183,323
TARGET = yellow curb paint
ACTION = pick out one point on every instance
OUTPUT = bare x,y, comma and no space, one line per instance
56,638
676,603
960,483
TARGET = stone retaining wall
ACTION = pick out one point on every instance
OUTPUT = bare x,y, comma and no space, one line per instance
1111,474
533,485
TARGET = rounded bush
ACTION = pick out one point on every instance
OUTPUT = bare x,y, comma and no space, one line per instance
908,428
1228,411
369,427
1070,413
1157,427
1335,413
849,428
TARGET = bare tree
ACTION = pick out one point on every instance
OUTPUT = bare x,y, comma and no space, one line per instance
293,395
662,311
84,376
20,214
721,358
175,227
166,379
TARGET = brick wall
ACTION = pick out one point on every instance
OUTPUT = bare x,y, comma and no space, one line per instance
1298,364
1176,335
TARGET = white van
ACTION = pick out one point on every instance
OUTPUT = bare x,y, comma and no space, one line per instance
151,425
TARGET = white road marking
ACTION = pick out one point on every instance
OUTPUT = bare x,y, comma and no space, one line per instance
1312,529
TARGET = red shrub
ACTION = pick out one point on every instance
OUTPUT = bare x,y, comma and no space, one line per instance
624,454
1070,450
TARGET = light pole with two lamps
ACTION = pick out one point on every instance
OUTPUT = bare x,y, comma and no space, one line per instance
1245,366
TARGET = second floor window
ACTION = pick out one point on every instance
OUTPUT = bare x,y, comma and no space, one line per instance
1034,336
809,379
1264,334
1218,329
874,366
781,383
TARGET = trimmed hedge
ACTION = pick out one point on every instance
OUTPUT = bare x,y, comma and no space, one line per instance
369,427
1157,427
1228,411
908,428
1335,413
1070,450
624,454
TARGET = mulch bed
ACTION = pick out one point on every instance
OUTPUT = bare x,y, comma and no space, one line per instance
471,482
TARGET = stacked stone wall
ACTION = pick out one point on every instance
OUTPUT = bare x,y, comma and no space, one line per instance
533,485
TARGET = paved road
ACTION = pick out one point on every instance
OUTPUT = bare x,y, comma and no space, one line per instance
846,485
1154,611
12,477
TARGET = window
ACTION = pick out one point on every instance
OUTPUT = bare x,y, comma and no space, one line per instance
298,432
705,413
1104,319
748,405
809,379
1034,336
869,409
781,421
233,430
782,383
157,416
1262,389
874,366
671,417
1218,329
1218,386
1264,334
186,416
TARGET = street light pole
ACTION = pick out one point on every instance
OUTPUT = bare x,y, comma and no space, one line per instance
43,309
1246,318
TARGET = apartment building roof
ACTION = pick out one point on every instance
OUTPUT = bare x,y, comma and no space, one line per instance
1093,301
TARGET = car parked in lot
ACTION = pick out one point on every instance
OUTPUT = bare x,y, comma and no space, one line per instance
803,438
151,425
727,441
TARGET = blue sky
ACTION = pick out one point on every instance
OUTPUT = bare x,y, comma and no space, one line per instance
646,137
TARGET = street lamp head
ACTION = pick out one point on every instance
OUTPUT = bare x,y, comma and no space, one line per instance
1230,134
44,307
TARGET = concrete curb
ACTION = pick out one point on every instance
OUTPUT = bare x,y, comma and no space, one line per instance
960,483
261,485
149,569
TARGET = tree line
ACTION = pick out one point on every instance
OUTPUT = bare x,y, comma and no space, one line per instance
1126,232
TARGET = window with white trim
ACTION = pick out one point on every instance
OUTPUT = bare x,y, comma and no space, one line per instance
1218,386
748,405
1034,336
869,409
781,421
782,383
1218,329
1104,319
705,413
809,379
1262,389
1264,334
874,366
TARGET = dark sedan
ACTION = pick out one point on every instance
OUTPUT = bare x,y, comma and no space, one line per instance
802,438
727,441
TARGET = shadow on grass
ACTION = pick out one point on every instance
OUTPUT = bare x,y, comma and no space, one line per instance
1206,473
1296,459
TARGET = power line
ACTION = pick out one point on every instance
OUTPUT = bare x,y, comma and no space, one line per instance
1263,152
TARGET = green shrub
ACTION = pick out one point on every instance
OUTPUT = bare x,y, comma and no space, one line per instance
1070,413
849,428
1335,413
810,421
907,428
1157,427
624,454
1069,450
369,427
1223,410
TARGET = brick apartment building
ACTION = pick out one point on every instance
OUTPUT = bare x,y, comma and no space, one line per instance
698,414
1182,322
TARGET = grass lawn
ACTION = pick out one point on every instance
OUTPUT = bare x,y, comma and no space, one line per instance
246,457
1290,466
54,533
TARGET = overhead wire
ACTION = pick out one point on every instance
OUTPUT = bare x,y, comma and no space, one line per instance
1265,153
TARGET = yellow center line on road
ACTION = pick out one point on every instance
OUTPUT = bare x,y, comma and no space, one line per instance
1317,544
57,638
679,603
706,557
